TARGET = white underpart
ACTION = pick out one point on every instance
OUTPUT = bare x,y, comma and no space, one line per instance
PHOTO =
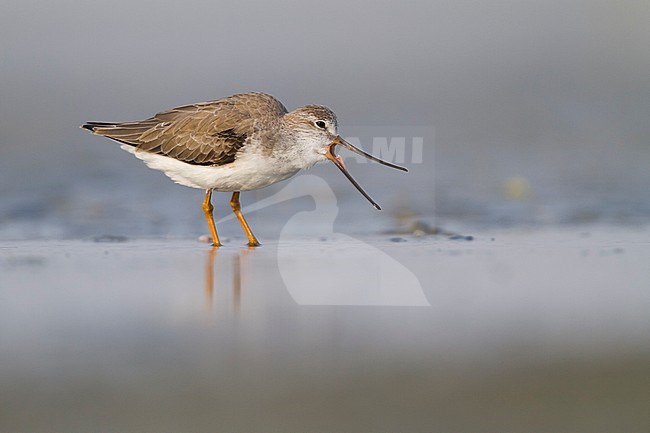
250,170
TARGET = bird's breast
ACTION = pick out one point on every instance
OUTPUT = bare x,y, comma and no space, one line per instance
252,171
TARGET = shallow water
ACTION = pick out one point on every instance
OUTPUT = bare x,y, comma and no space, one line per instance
521,330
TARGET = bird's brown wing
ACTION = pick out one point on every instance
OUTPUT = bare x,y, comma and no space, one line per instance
207,133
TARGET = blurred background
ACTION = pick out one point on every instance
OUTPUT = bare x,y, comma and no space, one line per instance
539,108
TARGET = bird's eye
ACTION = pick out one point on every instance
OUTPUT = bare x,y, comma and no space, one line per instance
320,124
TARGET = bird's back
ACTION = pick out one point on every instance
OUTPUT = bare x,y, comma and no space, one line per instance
205,133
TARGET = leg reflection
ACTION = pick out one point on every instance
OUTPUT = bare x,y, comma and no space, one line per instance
209,277
236,282
238,276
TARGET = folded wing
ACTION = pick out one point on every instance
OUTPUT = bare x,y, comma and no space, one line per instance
208,133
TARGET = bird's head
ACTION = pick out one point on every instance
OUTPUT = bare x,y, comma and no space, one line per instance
315,132
313,128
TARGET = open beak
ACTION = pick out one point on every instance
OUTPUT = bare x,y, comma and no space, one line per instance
338,161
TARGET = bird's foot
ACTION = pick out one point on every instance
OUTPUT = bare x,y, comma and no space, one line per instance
207,239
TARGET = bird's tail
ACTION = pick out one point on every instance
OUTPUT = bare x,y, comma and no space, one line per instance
92,126
124,132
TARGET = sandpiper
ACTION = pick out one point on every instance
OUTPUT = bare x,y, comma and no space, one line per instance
239,143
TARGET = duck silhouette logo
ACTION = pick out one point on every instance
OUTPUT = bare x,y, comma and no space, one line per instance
342,271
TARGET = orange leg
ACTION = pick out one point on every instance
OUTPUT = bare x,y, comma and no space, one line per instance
234,203
207,210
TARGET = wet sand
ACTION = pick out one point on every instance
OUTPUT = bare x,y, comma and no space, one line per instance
520,330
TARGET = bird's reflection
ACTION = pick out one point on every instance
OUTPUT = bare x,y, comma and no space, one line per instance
238,262
209,277
236,282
